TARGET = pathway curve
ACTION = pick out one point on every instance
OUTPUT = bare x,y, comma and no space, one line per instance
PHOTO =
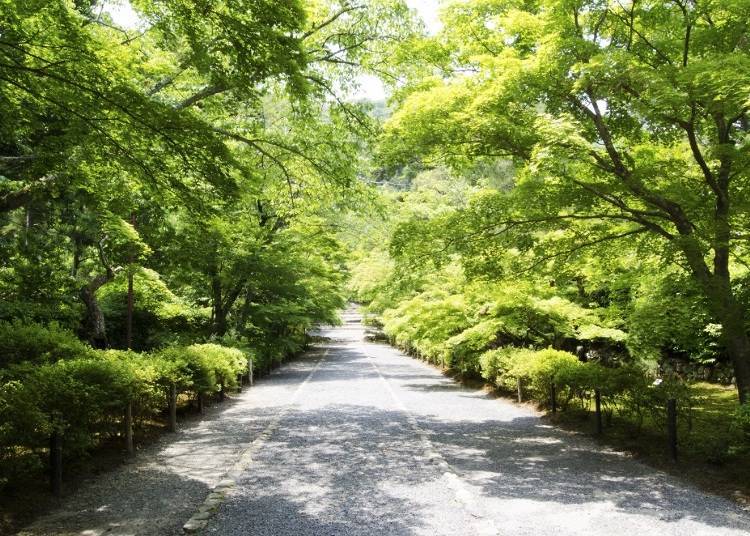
358,439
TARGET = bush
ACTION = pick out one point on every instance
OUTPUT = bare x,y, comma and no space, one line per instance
22,423
35,343
226,364
539,369
202,368
463,351
137,380
84,398
494,364
425,322
77,398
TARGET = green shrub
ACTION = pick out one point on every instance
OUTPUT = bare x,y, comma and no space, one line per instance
538,369
35,343
77,397
84,398
463,351
22,423
647,399
424,323
159,316
225,363
494,364
244,345
202,368
138,380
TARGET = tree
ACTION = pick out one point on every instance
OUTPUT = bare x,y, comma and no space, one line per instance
627,121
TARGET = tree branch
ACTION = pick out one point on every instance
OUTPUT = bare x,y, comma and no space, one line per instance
13,200
208,91
333,18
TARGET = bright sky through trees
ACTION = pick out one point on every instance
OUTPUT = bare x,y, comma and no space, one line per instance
371,87
552,182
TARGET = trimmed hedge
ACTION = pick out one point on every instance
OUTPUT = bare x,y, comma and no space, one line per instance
84,397
34,343
629,390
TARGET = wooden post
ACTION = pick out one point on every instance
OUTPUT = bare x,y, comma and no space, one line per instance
200,403
553,398
240,379
129,428
598,407
520,392
251,373
672,428
55,463
221,392
172,408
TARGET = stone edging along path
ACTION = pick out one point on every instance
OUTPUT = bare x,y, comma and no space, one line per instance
184,475
199,520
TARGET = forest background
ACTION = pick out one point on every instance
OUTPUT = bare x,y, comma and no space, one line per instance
554,194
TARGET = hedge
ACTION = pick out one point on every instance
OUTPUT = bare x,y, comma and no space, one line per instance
84,397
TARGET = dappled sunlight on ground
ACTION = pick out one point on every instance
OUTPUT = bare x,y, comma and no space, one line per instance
375,442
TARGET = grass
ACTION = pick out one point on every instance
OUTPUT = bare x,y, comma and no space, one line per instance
711,452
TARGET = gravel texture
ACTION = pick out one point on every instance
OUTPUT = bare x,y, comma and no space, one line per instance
164,485
357,439
379,443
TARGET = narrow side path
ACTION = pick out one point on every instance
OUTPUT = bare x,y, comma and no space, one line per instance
165,483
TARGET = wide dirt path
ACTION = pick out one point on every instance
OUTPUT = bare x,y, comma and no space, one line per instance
377,443
357,439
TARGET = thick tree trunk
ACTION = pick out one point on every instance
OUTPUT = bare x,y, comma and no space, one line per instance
717,287
223,302
94,324
731,315
738,348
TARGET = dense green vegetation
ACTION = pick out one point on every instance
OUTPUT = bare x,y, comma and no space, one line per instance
565,184
169,193
554,195
626,126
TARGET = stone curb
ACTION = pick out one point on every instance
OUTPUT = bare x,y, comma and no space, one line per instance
199,520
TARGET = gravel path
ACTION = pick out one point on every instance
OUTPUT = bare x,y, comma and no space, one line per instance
357,439
163,486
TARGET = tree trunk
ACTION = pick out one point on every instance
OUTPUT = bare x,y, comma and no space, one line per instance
131,298
94,325
129,315
129,428
731,315
738,348
219,313
717,287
